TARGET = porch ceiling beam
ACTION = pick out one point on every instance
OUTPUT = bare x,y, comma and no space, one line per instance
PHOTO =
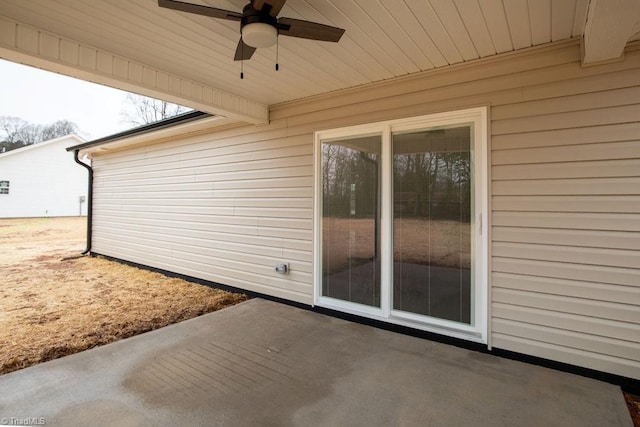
610,24
29,45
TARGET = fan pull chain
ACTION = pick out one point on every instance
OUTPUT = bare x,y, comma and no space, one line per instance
242,60
277,53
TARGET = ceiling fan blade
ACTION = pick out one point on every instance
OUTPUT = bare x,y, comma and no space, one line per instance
243,51
308,30
200,10
276,6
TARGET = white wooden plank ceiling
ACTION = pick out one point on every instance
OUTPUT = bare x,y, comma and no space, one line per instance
384,38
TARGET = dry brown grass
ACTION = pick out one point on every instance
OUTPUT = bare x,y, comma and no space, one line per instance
50,308
633,403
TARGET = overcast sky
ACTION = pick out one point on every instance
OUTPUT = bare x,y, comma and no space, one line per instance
42,97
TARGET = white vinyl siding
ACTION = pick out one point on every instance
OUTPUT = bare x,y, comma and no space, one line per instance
564,193
566,229
209,209
42,180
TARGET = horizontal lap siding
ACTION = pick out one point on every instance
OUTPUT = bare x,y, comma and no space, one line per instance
564,198
565,279
224,210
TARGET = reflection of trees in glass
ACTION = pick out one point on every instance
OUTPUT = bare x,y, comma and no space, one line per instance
431,231
435,181
350,226
349,174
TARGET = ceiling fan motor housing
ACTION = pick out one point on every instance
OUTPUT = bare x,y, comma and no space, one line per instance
258,27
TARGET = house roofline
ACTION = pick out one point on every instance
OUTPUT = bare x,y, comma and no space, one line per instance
141,130
41,144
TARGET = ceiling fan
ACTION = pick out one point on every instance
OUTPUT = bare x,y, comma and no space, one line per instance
260,25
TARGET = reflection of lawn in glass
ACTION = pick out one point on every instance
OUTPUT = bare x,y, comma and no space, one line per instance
447,242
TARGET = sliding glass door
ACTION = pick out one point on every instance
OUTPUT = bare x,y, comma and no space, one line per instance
432,211
398,229
350,219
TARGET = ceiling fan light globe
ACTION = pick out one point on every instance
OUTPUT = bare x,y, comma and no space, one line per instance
258,34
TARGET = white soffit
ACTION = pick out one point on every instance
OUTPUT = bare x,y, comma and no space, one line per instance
384,39
28,45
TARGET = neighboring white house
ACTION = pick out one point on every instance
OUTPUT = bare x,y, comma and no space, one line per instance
42,180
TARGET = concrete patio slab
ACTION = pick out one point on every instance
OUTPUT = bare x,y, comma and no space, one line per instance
261,363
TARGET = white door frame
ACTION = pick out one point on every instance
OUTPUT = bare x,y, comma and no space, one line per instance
477,331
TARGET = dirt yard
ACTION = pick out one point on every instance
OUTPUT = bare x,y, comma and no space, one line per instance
633,403
51,307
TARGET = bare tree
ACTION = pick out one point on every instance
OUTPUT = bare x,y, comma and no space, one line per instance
12,129
57,129
144,110
16,132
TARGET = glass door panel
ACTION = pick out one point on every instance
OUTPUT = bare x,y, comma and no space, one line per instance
432,233
350,219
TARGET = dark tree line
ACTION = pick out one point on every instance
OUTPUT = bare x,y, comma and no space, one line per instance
435,185
426,184
16,132
350,182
